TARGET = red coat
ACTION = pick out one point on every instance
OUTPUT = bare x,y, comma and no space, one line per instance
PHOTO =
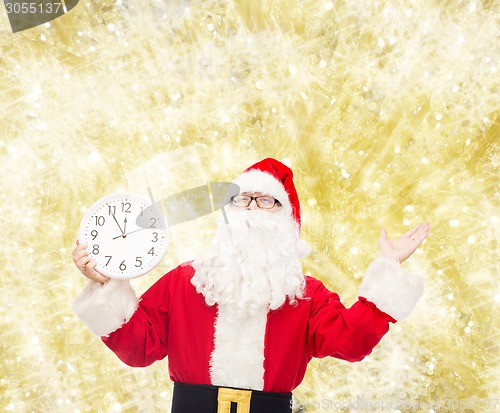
173,320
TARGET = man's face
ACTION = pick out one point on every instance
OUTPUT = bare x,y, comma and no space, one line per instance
258,201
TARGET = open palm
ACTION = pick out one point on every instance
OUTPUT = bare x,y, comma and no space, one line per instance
401,248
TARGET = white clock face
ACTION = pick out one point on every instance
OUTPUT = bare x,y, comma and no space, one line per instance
126,235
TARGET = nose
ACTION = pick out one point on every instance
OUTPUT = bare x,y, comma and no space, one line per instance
253,205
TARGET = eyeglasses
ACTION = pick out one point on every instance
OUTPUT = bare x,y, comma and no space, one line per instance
264,202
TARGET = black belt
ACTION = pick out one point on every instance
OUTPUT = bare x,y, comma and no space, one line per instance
203,398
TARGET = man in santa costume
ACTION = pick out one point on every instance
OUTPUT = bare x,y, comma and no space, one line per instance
240,326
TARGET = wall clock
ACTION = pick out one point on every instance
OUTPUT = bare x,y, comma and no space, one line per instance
126,235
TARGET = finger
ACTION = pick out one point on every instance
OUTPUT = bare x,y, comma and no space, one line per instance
94,274
79,247
79,253
83,262
411,232
422,232
82,265
383,233
90,266
419,236
415,233
383,242
77,243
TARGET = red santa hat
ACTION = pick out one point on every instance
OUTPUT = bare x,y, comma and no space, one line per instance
272,178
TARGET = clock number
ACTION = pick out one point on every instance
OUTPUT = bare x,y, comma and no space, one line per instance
126,206
138,261
111,209
109,258
152,251
122,266
154,222
94,233
95,249
100,220
155,238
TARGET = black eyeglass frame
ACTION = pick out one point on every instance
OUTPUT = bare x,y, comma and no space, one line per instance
256,201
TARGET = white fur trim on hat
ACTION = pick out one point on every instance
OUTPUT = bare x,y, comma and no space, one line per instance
392,290
259,181
105,308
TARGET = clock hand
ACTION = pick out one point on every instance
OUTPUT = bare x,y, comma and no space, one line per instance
131,232
125,225
123,232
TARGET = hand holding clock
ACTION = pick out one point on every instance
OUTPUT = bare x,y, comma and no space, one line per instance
103,252
86,264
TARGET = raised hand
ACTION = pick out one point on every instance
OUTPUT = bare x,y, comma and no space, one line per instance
401,248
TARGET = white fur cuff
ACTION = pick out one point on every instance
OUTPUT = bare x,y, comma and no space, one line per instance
391,289
105,309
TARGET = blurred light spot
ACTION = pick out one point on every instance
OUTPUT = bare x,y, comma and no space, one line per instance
94,157
117,407
454,222
36,92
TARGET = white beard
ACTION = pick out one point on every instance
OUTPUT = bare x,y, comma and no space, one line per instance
253,264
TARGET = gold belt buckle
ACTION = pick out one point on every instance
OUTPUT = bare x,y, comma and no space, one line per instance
240,397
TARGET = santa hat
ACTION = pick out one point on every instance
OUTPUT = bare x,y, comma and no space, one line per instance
273,178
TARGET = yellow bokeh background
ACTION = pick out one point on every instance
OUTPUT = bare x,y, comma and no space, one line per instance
387,111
